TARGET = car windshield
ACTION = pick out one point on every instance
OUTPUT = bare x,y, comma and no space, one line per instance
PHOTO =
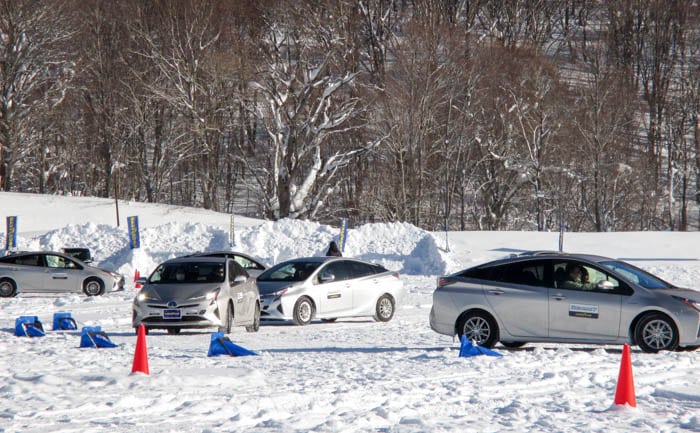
188,273
290,271
636,275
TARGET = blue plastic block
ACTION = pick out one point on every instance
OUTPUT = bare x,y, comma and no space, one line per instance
222,345
62,321
468,349
93,336
29,326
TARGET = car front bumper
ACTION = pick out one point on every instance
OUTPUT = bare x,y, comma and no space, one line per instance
152,314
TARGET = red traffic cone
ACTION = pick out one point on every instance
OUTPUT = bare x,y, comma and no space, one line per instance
624,394
137,275
140,354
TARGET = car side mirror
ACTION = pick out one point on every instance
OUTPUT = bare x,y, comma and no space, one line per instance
141,280
239,279
606,285
326,277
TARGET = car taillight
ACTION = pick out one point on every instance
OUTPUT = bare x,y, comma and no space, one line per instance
443,281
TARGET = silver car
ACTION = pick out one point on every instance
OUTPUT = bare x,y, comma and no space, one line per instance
53,272
195,293
565,298
328,288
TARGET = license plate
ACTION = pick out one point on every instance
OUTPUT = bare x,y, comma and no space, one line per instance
173,313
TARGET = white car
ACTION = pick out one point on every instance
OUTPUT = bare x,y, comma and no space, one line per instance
328,288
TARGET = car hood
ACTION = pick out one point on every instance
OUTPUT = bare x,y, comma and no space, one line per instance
169,292
268,287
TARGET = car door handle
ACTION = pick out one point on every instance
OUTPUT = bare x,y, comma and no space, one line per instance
496,292
59,277
558,297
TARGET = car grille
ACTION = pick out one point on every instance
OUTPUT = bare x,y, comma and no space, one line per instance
187,319
163,307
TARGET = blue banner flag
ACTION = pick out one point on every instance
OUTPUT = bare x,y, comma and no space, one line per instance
134,237
11,238
343,233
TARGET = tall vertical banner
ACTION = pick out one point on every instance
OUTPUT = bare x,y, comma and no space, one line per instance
561,237
343,233
11,238
134,237
232,234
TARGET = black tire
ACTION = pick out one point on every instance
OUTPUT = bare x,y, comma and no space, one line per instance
384,310
228,320
478,327
255,327
655,332
8,288
513,344
173,331
687,348
93,287
303,311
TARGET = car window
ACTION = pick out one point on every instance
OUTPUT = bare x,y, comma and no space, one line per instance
481,273
636,275
247,263
53,261
359,270
183,272
574,275
531,273
289,271
235,270
26,260
341,270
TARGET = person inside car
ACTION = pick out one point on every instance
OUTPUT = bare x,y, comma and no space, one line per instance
576,278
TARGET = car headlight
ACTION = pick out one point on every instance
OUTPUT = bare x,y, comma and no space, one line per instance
209,296
146,296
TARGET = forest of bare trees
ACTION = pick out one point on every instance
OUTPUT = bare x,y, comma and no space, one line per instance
472,115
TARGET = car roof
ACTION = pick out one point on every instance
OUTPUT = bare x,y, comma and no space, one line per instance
544,254
197,259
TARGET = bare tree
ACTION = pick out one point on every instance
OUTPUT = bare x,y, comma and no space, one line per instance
34,74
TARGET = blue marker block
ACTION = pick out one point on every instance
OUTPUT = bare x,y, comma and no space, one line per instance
93,336
467,349
29,326
222,345
62,321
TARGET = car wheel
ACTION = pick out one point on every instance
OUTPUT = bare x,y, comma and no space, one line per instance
255,327
655,332
303,311
93,287
8,288
384,310
228,321
513,344
478,327
173,331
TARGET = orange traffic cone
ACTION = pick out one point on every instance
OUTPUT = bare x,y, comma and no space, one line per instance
137,275
624,394
141,354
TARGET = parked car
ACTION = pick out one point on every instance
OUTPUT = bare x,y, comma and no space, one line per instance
253,265
196,293
534,297
54,272
328,288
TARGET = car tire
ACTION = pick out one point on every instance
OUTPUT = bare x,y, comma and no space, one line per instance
93,287
513,344
478,327
384,310
255,327
173,331
303,311
8,288
228,320
655,332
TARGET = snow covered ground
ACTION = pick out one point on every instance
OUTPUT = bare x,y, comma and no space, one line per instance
348,376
